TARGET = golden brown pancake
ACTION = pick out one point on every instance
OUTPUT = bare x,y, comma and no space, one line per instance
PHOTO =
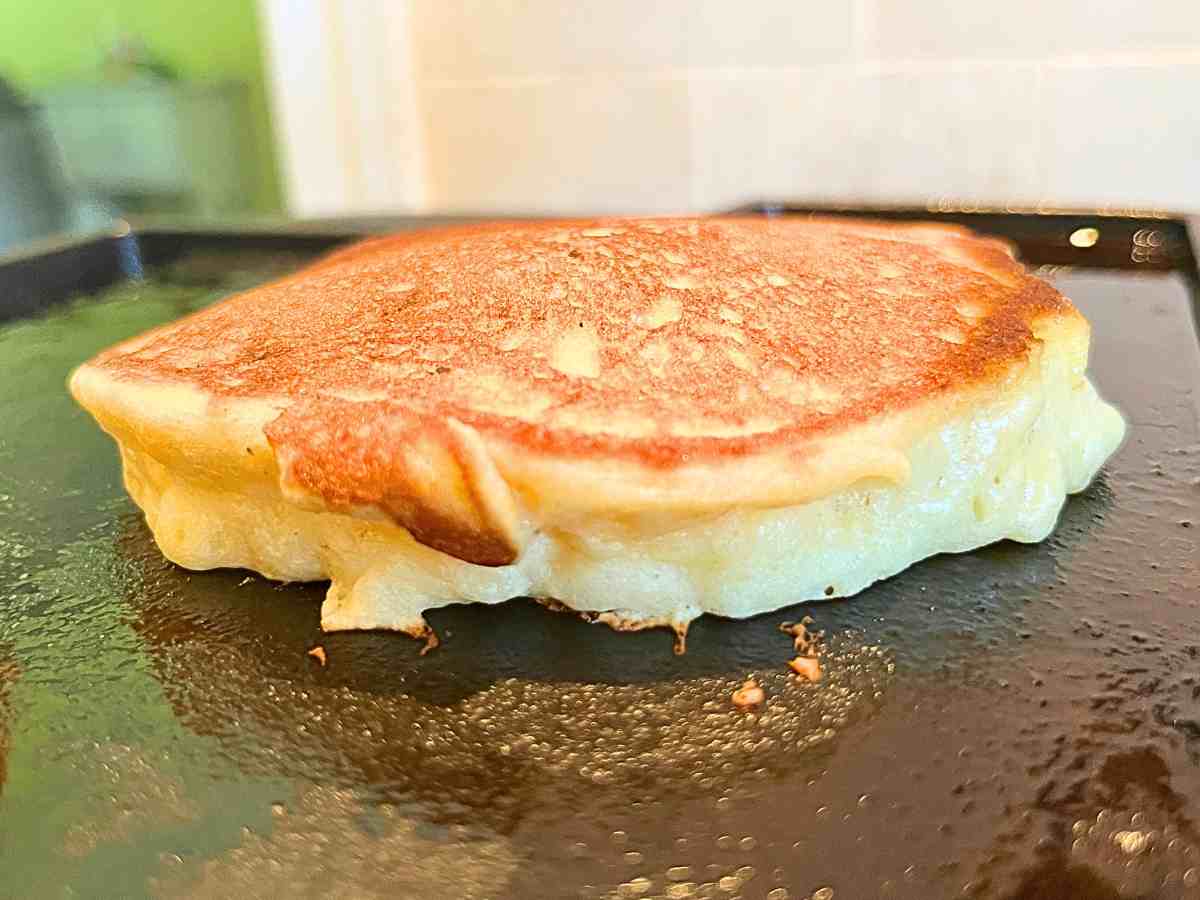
582,410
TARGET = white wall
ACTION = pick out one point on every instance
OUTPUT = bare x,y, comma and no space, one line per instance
344,103
664,105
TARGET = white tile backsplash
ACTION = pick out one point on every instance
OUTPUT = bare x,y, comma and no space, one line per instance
1027,29
768,33
644,106
471,39
1122,135
559,145
778,134
475,39
966,133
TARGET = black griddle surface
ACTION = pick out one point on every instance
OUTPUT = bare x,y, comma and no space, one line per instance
1015,722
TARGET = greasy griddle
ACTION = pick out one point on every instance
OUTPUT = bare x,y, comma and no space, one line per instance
1019,721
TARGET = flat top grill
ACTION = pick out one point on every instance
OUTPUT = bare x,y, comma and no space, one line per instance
1016,722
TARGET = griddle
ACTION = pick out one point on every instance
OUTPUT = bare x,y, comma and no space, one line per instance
1015,722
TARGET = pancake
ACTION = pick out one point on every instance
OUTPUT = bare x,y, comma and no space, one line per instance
640,419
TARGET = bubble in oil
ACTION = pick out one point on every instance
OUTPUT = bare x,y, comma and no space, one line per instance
635,887
445,760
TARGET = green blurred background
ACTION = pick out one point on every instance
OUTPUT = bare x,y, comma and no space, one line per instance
46,47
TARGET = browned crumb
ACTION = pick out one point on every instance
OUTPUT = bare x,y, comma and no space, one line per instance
617,622
681,638
318,653
431,640
807,667
804,642
748,695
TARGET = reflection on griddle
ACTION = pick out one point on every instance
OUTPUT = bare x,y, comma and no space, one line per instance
334,842
1124,813
140,798
1039,737
528,728
9,672
502,712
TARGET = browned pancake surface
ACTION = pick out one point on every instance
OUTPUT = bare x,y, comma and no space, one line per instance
659,338
662,342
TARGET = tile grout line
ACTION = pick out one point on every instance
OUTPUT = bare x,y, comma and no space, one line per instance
858,30
864,65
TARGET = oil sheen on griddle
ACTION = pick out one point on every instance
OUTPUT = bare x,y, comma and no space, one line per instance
1017,722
